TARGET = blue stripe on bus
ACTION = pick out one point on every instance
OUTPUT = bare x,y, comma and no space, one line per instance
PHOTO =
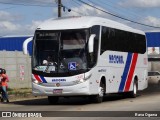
125,72
43,79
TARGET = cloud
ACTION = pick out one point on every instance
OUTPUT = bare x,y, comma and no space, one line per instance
10,25
149,20
35,2
7,22
28,2
152,21
10,28
43,1
140,3
84,10
8,16
33,25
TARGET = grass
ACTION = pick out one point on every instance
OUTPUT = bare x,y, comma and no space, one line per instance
19,91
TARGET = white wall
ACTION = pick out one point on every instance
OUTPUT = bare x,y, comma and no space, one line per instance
18,67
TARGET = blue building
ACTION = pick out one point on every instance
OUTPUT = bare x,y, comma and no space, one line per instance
153,42
153,39
14,43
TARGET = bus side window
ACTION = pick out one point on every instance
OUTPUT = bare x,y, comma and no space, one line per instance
104,38
93,56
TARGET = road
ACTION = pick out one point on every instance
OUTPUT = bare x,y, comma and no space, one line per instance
148,101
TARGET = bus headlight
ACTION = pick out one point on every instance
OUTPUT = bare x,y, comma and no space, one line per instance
82,79
79,81
87,76
35,81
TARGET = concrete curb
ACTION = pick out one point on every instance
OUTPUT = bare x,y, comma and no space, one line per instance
27,96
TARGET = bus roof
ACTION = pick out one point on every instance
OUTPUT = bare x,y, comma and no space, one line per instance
78,22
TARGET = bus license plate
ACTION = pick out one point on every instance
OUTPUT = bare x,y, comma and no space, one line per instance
57,91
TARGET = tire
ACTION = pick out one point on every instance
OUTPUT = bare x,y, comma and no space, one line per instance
99,98
133,94
53,99
158,82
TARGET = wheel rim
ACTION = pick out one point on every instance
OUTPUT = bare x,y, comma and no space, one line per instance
101,91
135,89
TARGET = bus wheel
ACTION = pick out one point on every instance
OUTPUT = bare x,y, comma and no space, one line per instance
133,93
99,98
53,99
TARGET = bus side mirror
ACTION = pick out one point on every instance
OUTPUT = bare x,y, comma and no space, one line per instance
91,43
25,44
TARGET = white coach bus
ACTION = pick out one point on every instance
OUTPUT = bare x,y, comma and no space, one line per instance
87,56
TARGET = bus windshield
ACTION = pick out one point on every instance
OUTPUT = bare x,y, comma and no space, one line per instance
60,51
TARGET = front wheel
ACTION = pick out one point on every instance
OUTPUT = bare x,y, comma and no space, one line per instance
99,98
133,93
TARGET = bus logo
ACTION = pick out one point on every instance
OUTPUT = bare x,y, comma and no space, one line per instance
117,59
72,66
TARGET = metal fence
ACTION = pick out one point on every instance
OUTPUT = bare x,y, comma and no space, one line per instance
18,68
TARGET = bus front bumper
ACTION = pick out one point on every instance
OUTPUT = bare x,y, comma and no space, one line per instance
75,90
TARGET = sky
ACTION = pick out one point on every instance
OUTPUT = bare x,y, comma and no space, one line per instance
22,17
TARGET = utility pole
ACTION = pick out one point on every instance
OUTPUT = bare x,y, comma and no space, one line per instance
59,8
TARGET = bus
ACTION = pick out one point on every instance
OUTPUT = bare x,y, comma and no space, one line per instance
87,56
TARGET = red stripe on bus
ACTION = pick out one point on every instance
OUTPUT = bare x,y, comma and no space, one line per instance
131,72
37,78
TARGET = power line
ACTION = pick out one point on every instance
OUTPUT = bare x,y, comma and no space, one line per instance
121,11
117,15
22,4
120,8
75,11
73,7
76,2
70,9
8,8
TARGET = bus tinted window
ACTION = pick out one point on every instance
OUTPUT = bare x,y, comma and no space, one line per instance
93,57
124,41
